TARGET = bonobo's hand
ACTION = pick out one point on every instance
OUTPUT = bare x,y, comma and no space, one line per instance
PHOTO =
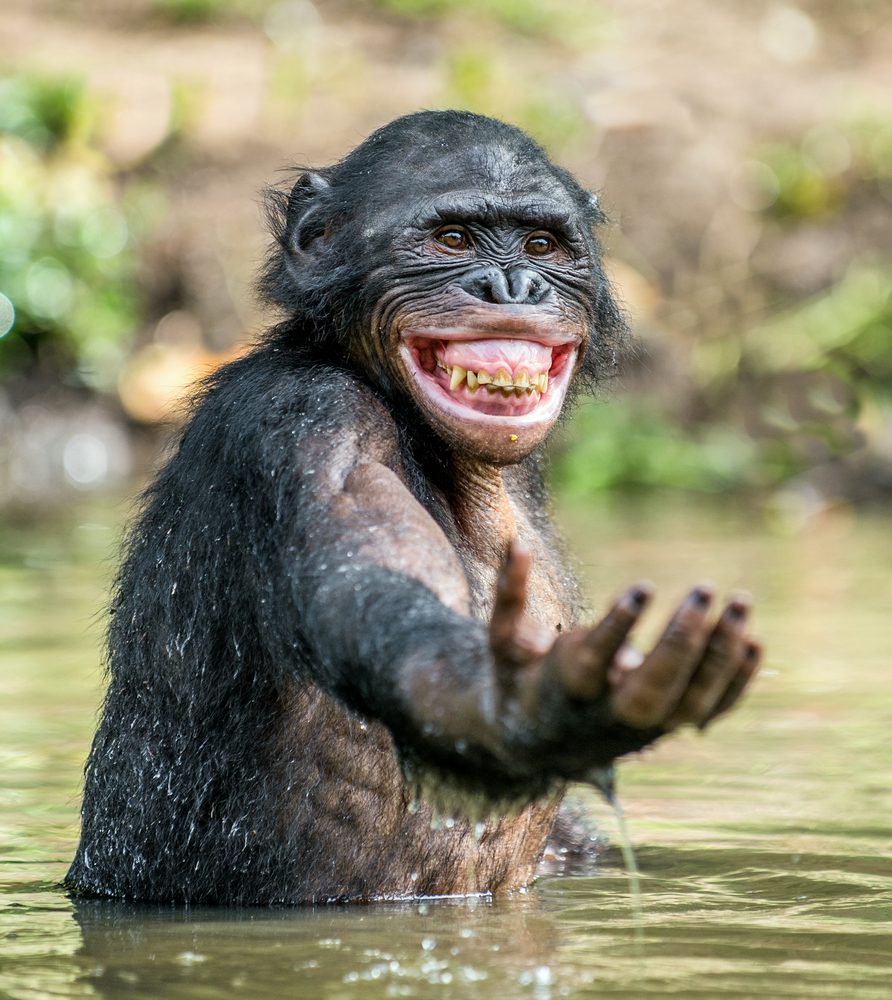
578,701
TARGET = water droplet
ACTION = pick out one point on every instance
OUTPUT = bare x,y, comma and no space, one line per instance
190,958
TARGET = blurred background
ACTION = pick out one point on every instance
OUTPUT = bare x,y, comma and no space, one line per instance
744,154
743,151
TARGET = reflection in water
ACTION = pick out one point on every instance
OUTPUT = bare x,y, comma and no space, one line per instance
270,952
764,847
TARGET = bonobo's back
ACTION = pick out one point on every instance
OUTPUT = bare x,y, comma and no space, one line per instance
177,794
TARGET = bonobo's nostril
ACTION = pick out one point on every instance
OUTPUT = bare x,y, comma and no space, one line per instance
487,284
520,286
526,286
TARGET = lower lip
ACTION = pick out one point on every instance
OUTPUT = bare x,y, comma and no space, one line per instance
494,409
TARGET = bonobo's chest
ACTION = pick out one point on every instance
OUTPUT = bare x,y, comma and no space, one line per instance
551,598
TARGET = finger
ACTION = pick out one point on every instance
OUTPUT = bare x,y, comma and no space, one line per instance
720,664
627,658
588,654
652,691
752,660
510,602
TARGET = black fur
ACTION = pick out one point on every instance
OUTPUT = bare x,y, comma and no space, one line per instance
232,605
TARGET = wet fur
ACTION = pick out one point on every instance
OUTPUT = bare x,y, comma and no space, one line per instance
240,758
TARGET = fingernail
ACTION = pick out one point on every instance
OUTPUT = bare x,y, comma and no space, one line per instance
701,597
634,599
639,596
736,611
752,651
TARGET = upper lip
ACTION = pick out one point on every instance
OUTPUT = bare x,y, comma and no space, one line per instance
504,322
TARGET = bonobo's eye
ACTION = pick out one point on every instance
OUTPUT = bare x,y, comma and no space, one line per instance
540,244
453,237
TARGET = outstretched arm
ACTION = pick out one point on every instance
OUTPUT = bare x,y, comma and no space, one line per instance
384,616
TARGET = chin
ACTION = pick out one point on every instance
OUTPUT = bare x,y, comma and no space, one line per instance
495,395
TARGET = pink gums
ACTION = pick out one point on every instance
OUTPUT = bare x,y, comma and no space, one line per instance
433,362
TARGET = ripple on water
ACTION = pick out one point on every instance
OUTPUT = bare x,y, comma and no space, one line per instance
763,847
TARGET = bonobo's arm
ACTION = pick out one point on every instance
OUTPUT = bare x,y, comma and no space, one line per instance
384,615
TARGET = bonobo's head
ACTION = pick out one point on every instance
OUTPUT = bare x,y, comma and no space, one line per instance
456,266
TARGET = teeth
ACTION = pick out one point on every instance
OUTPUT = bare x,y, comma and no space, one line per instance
458,376
522,382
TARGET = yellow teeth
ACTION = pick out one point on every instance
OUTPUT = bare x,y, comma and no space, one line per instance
457,377
522,382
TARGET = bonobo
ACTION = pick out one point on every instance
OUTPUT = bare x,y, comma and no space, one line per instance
343,610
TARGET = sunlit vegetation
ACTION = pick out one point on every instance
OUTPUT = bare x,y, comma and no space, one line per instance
756,364
829,166
68,238
573,22
201,11
811,384
805,383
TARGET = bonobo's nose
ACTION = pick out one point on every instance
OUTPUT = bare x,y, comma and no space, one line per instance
517,286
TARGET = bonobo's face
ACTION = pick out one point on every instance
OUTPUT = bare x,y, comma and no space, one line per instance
456,267
485,306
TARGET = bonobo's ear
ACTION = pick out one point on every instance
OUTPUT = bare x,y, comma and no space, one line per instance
308,221
300,221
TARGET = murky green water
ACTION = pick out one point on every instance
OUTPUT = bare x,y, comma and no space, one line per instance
765,846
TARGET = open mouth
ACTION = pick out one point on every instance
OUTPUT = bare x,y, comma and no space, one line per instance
520,381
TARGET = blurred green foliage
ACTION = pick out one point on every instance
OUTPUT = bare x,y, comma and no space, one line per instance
66,237
790,393
572,22
46,112
791,383
628,443
819,174
199,11
845,331
477,79
807,384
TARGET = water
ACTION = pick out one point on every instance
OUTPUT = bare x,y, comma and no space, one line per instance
764,846
631,862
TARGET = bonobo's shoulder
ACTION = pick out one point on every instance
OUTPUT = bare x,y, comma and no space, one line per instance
279,395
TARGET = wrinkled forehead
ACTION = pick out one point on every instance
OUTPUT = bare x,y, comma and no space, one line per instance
487,165
488,180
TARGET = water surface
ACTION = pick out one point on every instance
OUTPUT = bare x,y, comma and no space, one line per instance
764,845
